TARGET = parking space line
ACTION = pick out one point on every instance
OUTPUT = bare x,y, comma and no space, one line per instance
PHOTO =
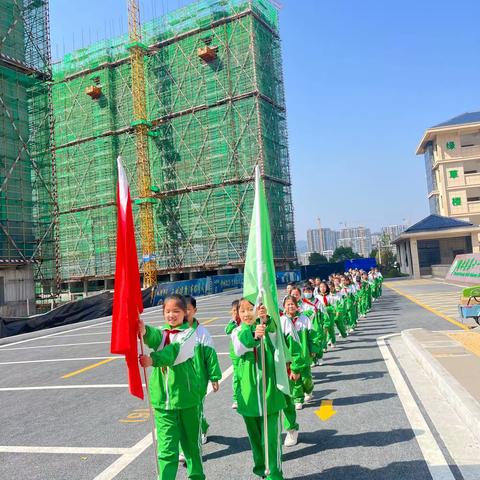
52,334
89,367
56,360
120,464
62,387
106,332
58,345
65,450
427,307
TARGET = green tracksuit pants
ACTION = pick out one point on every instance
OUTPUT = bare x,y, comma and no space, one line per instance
174,426
303,386
234,378
255,435
329,324
203,421
289,412
340,323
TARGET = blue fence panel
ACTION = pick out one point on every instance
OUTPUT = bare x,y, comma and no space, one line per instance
213,284
360,263
287,277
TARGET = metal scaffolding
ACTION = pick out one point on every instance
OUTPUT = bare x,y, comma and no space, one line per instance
215,108
28,213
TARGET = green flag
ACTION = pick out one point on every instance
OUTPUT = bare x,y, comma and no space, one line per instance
259,284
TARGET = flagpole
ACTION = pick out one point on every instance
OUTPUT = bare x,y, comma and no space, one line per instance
258,238
265,416
152,418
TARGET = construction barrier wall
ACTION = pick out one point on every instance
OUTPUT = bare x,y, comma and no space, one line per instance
210,123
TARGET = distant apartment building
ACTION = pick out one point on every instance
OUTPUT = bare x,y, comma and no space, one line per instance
393,231
452,162
304,258
358,238
375,239
322,240
313,240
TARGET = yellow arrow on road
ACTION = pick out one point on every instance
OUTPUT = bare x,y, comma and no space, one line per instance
326,410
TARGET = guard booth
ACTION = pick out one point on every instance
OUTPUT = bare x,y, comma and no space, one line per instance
429,247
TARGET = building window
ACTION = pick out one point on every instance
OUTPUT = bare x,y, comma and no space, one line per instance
470,139
429,161
434,205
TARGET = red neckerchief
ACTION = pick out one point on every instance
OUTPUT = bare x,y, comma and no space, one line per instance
238,321
305,300
294,320
167,336
324,298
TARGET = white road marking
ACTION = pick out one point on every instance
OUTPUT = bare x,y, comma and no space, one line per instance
52,335
58,360
116,467
108,332
219,336
65,450
434,458
58,345
62,387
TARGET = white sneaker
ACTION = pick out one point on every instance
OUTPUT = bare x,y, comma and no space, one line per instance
204,439
308,398
291,439
298,406
181,458
234,405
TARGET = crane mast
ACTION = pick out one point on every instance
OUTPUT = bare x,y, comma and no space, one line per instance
141,125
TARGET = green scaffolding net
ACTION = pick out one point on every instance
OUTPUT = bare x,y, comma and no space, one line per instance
211,123
26,195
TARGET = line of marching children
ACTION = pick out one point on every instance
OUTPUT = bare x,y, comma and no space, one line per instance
185,361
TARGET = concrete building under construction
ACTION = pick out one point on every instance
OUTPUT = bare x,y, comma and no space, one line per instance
215,108
27,190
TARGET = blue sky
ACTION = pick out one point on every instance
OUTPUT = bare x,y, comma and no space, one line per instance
363,80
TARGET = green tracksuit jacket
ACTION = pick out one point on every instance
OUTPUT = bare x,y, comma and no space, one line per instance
249,371
174,384
205,358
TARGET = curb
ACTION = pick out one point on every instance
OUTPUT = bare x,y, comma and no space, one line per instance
462,402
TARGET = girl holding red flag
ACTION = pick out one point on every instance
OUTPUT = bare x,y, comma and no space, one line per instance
175,390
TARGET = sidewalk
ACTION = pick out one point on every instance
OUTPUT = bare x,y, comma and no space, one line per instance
452,361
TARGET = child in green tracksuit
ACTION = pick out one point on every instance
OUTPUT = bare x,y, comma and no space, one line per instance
294,368
246,341
205,360
175,390
231,326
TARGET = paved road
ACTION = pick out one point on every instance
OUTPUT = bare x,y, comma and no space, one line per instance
62,422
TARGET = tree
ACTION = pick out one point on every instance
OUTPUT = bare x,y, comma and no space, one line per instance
373,253
317,258
343,253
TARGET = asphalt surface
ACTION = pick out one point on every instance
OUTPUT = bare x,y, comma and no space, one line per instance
88,427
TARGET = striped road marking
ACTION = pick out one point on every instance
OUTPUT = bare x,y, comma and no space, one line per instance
427,307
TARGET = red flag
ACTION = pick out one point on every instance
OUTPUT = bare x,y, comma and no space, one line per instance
127,296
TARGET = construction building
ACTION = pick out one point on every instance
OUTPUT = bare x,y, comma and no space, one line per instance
215,109
28,229
451,152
